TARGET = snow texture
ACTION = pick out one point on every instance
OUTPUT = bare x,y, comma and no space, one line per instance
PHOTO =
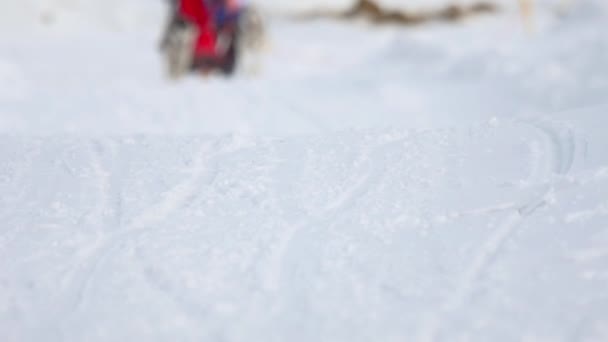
437,183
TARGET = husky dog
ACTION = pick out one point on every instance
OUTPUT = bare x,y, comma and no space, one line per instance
178,50
252,40
252,30
177,43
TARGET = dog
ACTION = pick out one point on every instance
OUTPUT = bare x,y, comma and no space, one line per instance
177,43
251,40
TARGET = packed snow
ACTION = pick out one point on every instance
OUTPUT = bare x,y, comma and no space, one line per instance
446,182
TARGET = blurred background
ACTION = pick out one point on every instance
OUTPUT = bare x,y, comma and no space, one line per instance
93,66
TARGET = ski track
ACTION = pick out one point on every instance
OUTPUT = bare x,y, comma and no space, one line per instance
174,199
95,218
562,154
357,187
273,271
10,233
164,286
102,175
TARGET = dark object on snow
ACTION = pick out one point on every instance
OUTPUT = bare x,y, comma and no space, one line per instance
370,10
194,39
212,36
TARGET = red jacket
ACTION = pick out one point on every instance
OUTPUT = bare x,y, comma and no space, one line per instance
197,12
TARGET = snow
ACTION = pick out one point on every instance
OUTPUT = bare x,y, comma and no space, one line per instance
437,183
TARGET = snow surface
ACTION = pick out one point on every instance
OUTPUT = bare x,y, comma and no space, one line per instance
437,183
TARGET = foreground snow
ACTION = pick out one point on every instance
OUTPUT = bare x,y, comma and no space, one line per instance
444,183
378,236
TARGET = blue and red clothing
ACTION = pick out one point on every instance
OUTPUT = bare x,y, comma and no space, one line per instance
210,17
197,12
225,12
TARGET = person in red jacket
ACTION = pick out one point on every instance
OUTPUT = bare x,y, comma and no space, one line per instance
197,12
214,44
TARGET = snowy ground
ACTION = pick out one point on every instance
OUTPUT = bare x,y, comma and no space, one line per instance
442,183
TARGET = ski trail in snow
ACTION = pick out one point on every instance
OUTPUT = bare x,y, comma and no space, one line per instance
154,214
466,287
562,142
8,233
174,199
178,195
95,217
561,149
358,185
272,273
102,176
165,286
